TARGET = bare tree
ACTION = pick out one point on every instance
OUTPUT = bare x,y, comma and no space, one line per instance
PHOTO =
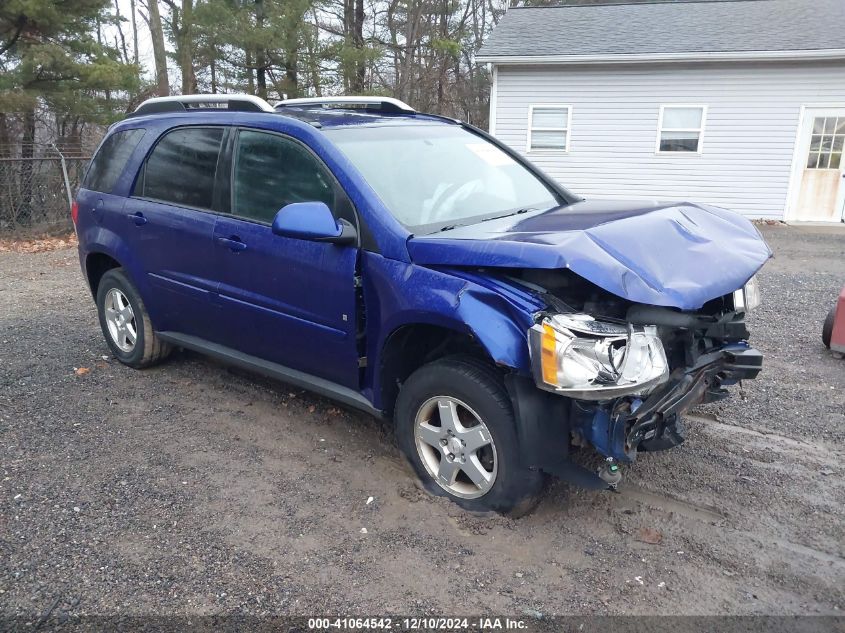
133,11
159,52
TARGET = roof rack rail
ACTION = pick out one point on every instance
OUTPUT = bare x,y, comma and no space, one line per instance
378,104
186,103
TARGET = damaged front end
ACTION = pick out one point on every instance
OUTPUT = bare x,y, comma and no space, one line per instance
651,421
643,318
629,371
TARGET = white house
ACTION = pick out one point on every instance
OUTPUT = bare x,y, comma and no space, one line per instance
738,103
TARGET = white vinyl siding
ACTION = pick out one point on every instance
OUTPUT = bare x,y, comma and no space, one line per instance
751,122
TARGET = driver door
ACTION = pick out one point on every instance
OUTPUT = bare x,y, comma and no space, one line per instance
285,300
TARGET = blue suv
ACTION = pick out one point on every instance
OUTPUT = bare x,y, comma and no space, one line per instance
412,266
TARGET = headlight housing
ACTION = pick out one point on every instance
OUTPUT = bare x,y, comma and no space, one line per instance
748,297
577,356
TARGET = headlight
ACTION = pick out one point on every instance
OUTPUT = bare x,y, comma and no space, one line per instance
748,297
577,356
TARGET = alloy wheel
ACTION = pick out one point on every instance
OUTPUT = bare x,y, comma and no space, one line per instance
456,447
120,320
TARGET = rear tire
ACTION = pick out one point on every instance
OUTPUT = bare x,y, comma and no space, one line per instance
455,424
827,328
125,323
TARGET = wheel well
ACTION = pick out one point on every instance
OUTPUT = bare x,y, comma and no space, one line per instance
96,265
411,346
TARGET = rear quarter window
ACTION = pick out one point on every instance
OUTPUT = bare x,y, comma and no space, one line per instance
111,159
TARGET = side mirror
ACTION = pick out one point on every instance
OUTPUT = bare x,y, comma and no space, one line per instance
313,221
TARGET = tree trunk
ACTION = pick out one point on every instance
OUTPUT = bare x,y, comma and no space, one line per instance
5,136
291,76
358,39
348,8
250,74
159,52
260,53
7,174
353,31
24,213
186,57
122,40
312,62
408,71
441,74
134,32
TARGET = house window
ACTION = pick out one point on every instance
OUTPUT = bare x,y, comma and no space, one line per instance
827,143
681,128
548,127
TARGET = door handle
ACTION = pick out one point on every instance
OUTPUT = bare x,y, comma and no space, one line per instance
233,243
138,218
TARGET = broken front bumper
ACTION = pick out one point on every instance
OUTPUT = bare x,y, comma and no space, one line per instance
549,425
621,427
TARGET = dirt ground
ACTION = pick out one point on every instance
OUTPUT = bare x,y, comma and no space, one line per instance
193,489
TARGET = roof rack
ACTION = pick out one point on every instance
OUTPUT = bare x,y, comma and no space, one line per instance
377,104
186,103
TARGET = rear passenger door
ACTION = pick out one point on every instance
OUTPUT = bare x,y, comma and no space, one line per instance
98,206
286,300
171,222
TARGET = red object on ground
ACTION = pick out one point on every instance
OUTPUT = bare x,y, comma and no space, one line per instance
837,338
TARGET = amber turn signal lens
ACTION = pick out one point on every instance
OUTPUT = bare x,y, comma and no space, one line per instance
547,355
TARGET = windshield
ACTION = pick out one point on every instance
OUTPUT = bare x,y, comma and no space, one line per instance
436,177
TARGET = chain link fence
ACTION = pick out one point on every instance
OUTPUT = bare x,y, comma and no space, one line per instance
37,185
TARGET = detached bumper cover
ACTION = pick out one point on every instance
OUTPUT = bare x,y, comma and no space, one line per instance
621,427
618,428
702,383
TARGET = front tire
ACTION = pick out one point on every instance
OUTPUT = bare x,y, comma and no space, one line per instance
125,323
455,423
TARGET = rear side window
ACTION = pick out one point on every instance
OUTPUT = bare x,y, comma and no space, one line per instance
271,172
181,168
111,159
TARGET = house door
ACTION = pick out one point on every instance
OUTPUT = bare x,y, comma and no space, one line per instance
820,174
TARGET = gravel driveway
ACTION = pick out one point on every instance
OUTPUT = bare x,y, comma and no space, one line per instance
193,489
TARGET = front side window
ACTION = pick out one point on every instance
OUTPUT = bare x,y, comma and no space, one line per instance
111,160
182,167
272,171
548,127
681,128
434,176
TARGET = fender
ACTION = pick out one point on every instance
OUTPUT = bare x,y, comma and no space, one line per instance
398,294
99,239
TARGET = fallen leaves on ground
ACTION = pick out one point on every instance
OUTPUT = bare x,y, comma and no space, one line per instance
650,536
81,371
37,245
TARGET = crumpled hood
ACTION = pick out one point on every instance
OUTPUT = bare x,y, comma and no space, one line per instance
668,254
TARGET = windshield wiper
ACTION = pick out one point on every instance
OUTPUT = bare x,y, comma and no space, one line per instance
507,215
449,227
